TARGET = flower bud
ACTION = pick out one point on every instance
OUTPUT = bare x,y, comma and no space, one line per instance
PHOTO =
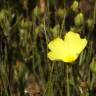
2,15
75,6
79,19
61,12
36,11
25,24
93,66
90,24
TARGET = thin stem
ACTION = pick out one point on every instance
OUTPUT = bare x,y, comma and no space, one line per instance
63,25
67,80
92,82
94,13
50,79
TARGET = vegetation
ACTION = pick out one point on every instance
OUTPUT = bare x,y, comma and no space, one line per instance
26,29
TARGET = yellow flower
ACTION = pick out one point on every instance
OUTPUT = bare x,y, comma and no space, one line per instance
66,50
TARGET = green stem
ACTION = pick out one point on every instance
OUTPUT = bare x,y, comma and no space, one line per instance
50,80
67,80
93,79
94,13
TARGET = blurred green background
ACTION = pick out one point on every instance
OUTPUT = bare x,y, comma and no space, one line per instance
26,28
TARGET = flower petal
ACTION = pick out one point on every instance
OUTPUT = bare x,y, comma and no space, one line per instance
56,44
70,58
53,56
66,50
